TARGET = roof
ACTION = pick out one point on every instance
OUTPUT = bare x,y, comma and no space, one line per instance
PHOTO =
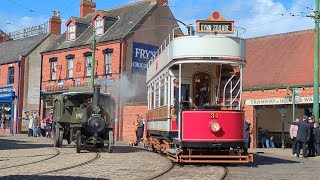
128,18
11,50
279,60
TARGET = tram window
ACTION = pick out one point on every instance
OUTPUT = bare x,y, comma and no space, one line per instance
162,95
157,96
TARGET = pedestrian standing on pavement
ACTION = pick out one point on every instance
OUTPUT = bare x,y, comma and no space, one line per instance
303,135
247,133
31,125
316,132
311,147
36,124
42,128
293,135
2,125
140,129
48,121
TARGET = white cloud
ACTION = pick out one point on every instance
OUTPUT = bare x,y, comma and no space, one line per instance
13,24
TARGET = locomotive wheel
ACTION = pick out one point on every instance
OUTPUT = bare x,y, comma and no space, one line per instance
58,138
78,141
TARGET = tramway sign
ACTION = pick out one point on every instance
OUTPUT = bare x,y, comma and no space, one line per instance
215,24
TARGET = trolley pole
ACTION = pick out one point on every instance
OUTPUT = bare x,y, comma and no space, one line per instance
93,58
316,64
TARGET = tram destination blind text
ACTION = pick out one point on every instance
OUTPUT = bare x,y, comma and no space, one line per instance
215,27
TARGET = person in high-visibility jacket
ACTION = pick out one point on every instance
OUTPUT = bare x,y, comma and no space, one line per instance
139,128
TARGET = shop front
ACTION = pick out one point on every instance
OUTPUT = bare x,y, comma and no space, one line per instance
7,107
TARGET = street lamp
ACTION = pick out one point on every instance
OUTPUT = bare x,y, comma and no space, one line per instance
283,111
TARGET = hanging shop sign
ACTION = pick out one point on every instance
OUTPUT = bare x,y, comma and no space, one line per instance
7,94
215,24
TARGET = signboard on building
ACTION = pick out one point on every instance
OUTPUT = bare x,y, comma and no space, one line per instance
141,55
215,24
277,101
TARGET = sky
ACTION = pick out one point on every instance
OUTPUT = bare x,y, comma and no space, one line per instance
257,17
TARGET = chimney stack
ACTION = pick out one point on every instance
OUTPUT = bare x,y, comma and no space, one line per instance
86,7
159,2
55,23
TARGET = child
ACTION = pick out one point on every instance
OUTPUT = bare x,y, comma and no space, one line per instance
316,132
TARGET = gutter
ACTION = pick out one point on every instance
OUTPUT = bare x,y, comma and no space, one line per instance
277,87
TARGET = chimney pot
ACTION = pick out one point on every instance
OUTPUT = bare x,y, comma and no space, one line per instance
55,23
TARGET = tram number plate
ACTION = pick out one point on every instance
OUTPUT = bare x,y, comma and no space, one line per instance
214,116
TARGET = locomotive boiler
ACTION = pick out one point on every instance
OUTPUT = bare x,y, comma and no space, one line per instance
85,118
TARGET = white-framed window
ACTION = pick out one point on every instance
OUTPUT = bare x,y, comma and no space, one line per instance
157,95
11,75
162,92
71,32
53,70
88,65
108,60
70,68
98,24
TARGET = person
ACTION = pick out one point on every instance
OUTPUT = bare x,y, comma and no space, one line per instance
42,128
140,130
293,134
311,147
247,133
36,124
203,95
303,135
261,137
48,121
316,133
176,98
2,125
31,125
136,125
269,139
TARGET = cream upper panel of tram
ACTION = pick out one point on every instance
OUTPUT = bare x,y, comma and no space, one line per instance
195,46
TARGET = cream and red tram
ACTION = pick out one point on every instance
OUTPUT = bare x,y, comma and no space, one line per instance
211,122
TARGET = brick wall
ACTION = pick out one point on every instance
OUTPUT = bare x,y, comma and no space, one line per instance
129,112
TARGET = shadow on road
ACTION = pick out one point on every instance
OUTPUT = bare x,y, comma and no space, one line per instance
7,144
47,177
265,160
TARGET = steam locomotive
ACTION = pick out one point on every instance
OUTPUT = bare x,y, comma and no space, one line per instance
84,118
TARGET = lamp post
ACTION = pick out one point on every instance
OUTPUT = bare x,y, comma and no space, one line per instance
316,64
283,111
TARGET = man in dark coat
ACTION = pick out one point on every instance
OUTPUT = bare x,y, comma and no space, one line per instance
303,135
176,98
316,132
311,147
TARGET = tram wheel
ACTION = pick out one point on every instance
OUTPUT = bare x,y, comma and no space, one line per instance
78,141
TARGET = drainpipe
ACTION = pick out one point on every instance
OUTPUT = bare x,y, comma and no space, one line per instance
18,97
41,64
119,96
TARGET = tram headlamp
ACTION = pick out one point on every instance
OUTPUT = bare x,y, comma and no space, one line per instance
215,127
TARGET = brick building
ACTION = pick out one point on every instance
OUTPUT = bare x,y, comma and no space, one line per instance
126,39
20,69
276,65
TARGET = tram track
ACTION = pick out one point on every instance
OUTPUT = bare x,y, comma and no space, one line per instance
34,162
73,166
167,170
225,172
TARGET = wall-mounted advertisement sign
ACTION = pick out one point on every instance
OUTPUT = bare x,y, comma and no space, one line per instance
141,55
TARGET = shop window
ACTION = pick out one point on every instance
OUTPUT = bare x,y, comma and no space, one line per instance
70,68
11,75
88,65
98,24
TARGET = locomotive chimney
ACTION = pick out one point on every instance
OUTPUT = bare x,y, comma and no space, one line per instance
96,93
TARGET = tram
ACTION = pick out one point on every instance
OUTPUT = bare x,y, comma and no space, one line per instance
195,97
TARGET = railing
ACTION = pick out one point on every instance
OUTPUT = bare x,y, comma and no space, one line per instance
232,89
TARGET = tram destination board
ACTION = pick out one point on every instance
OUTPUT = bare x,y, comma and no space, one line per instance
219,27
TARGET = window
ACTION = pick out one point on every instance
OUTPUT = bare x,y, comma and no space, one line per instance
157,97
162,93
53,70
71,32
98,24
70,68
108,58
88,65
11,75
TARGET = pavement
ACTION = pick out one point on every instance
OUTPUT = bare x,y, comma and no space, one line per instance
23,157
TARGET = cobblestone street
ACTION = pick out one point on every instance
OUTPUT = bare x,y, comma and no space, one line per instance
25,157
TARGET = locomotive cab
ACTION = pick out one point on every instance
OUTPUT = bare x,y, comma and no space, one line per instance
84,118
